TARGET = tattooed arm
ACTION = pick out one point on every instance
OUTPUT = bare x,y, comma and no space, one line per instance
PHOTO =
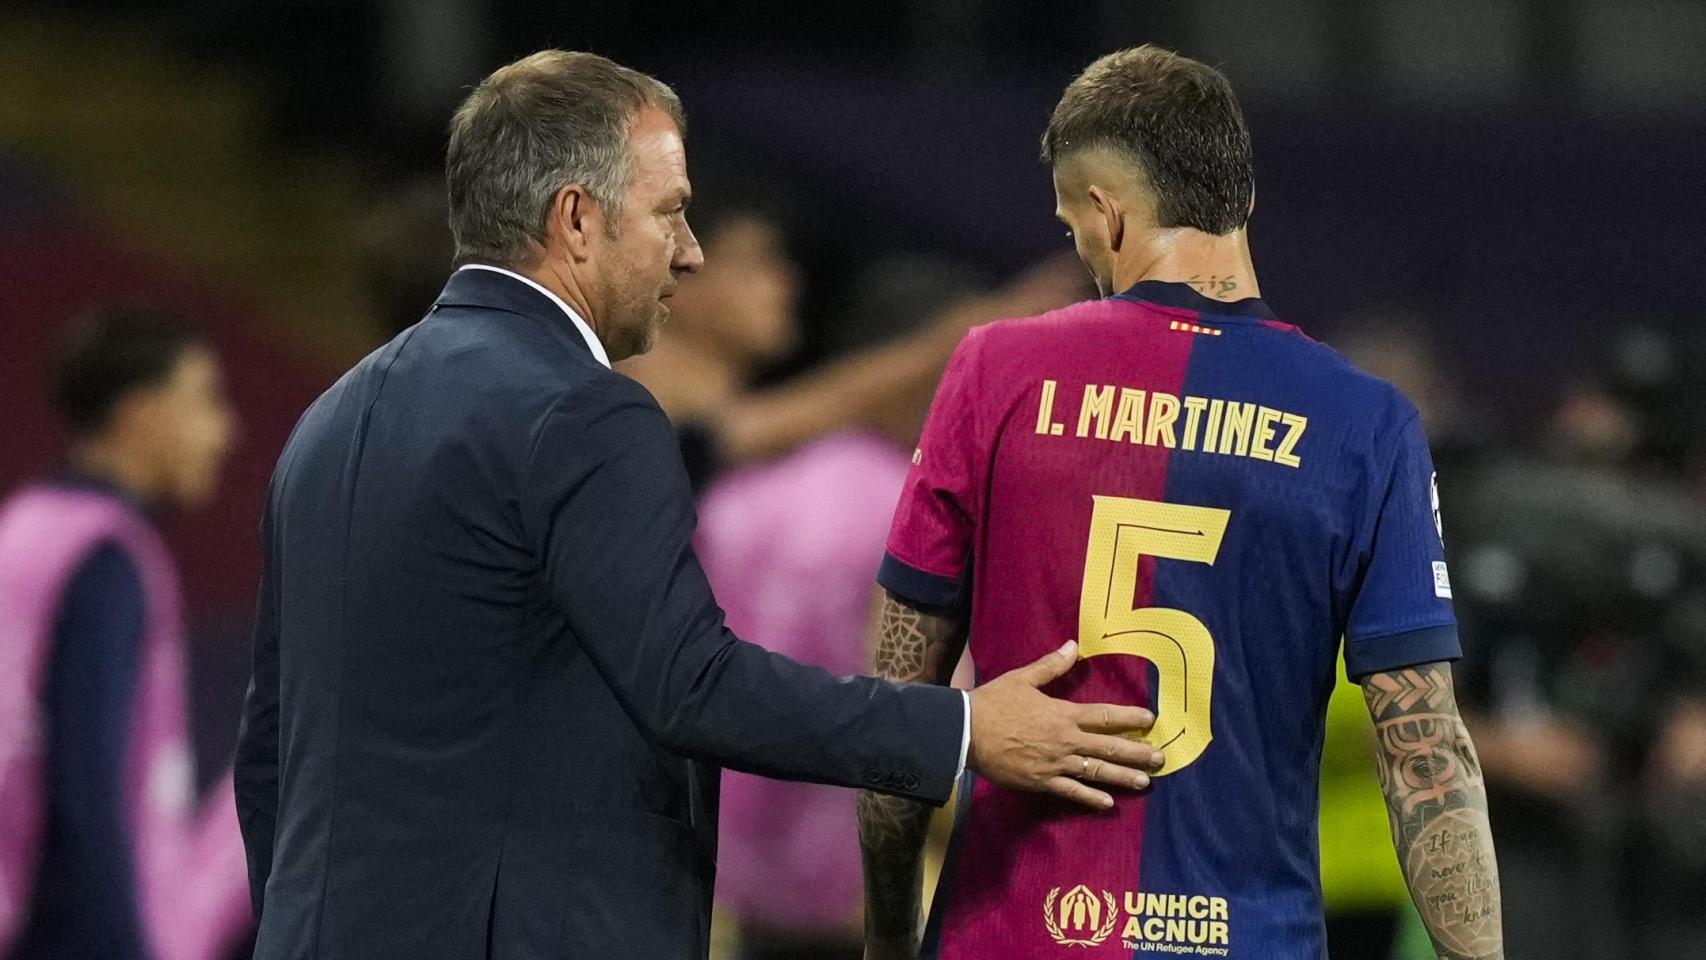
1020,739
1438,808
912,646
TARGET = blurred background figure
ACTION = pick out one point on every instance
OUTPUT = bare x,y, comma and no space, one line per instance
1581,558
791,545
404,248
104,849
884,347
1583,577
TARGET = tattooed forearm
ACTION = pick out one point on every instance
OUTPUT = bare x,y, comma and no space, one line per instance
891,840
1438,809
912,646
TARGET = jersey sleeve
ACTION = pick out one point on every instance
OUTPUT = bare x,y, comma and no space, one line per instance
1399,600
928,559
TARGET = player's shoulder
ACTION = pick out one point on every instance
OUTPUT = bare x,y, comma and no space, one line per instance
1000,345
1022,333
1343,384
1371,416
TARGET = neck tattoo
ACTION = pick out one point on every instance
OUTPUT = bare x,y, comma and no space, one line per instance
1216,287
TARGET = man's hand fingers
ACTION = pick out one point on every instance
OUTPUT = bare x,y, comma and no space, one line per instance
1051,666
1101,771
1069,789
1127,753
1113,718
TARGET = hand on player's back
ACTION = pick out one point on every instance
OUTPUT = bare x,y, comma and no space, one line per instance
1024,739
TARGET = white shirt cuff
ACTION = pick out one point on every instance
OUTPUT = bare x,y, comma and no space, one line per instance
965,737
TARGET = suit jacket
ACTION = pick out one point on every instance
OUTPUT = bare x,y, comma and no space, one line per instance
492,690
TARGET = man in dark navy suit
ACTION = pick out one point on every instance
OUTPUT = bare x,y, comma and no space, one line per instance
492,691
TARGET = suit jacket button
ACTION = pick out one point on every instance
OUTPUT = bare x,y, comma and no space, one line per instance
911,782
873,775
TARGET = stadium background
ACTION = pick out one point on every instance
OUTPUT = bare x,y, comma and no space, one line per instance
1496,203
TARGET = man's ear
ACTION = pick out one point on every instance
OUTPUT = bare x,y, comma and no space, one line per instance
1112,212
575,218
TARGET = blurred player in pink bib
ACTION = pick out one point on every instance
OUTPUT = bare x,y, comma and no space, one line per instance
104,850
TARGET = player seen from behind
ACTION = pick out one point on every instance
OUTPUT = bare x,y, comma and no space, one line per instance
1208,501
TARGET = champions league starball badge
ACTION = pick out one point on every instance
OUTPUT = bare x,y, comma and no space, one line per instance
1439,524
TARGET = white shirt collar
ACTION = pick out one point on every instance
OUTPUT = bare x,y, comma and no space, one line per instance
581,325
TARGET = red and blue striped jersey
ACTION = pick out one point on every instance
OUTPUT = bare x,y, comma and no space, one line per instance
1208,501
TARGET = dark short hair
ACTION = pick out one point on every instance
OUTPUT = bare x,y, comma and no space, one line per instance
109,353
530,129
1173,117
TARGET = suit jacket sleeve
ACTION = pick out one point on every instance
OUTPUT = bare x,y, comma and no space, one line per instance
255,773
607,506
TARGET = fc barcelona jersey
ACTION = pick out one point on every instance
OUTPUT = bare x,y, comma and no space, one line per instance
1209,502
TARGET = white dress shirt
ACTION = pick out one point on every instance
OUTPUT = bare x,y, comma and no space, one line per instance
580,324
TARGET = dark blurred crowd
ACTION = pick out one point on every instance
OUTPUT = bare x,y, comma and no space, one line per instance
1578,559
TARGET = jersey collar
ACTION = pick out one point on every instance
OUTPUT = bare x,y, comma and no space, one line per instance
1180,295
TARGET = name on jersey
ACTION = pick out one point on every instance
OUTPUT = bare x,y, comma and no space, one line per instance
1149,417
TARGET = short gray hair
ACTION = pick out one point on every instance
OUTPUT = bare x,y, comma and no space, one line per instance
530,129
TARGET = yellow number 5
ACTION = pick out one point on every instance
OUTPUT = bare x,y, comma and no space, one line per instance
1122,531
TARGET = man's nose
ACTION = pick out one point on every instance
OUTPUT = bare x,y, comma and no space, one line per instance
689,256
